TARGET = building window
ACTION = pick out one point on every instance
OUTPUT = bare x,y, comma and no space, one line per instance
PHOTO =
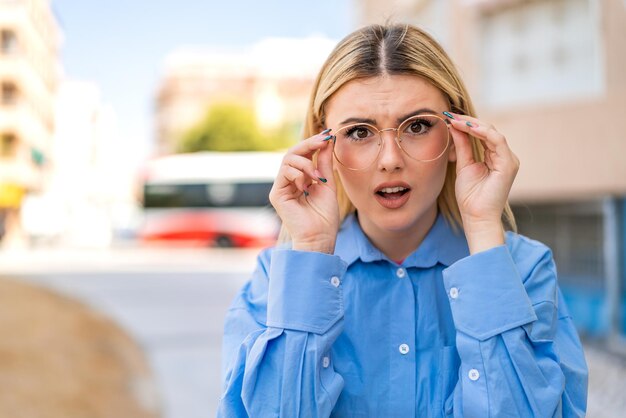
8,41
9,94
8,144
533,51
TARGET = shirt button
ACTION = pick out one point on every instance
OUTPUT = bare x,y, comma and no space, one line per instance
335,281
454,292
400,273
473,375
404,348
326,362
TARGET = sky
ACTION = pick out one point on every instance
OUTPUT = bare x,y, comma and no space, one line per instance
121,45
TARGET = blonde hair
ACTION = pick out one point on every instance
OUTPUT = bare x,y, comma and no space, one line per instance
393,49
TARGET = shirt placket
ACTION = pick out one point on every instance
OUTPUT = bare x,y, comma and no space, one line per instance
402,343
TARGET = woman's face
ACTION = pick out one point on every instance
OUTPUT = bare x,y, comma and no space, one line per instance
384,102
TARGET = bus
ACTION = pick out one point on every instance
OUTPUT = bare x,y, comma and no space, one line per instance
210,198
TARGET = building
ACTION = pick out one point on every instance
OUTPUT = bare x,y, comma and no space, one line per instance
549,74
274,77
29,73
89,188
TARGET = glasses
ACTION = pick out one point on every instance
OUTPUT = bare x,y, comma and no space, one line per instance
423,138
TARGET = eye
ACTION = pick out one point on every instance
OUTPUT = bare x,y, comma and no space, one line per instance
358,133
418,126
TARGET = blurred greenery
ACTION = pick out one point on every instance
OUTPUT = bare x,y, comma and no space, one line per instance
233,127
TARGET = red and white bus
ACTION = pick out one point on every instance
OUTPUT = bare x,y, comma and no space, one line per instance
211,198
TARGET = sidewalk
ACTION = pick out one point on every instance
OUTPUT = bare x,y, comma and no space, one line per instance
607,380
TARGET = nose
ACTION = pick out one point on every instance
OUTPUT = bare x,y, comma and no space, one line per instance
391,157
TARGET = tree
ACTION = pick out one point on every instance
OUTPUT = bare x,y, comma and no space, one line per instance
233,127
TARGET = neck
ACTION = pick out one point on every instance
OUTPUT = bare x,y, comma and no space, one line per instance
399,244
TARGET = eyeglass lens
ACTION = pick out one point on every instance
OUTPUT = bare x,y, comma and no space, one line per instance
422,137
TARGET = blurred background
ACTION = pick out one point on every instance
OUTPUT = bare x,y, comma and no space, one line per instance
139,140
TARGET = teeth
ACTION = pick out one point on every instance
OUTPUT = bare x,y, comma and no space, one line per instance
392,189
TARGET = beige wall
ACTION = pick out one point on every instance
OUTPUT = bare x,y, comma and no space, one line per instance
569,147
34,69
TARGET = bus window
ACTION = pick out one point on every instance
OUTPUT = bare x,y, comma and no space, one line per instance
206,195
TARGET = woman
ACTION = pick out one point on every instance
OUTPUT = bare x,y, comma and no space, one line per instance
399,294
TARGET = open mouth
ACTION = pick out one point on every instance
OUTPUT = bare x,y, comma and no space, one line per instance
392,192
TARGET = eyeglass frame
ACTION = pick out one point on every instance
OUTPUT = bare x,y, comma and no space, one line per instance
397,140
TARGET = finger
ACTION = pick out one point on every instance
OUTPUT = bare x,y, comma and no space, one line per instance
501,156
462,126
492,139
308,146
488,160
301,163
325,165
289,176
298,178
489,136
498,154
463,147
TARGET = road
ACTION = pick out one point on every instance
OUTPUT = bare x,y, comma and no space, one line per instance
173,302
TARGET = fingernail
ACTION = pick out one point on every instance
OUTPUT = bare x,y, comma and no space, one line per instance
306,193
326,131
448,114
322,179
469,124
327,138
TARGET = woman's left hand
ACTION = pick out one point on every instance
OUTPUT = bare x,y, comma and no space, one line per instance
482,188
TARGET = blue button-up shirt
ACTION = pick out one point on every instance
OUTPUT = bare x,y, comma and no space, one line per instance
444,334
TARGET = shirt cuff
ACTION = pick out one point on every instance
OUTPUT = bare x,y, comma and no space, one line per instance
305,292
487,295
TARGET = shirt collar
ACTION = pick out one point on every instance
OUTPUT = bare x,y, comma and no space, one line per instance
441,245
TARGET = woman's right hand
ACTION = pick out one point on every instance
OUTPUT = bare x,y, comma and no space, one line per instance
306,204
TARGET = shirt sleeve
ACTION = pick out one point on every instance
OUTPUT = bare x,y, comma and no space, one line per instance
520,353
277,338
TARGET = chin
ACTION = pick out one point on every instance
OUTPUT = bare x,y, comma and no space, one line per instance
396,222
405,219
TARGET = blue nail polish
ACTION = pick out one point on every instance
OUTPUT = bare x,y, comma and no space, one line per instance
469,124
306,193
326,131
322,179
448,114
327,138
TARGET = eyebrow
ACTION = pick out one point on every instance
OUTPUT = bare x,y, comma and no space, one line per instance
399,120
